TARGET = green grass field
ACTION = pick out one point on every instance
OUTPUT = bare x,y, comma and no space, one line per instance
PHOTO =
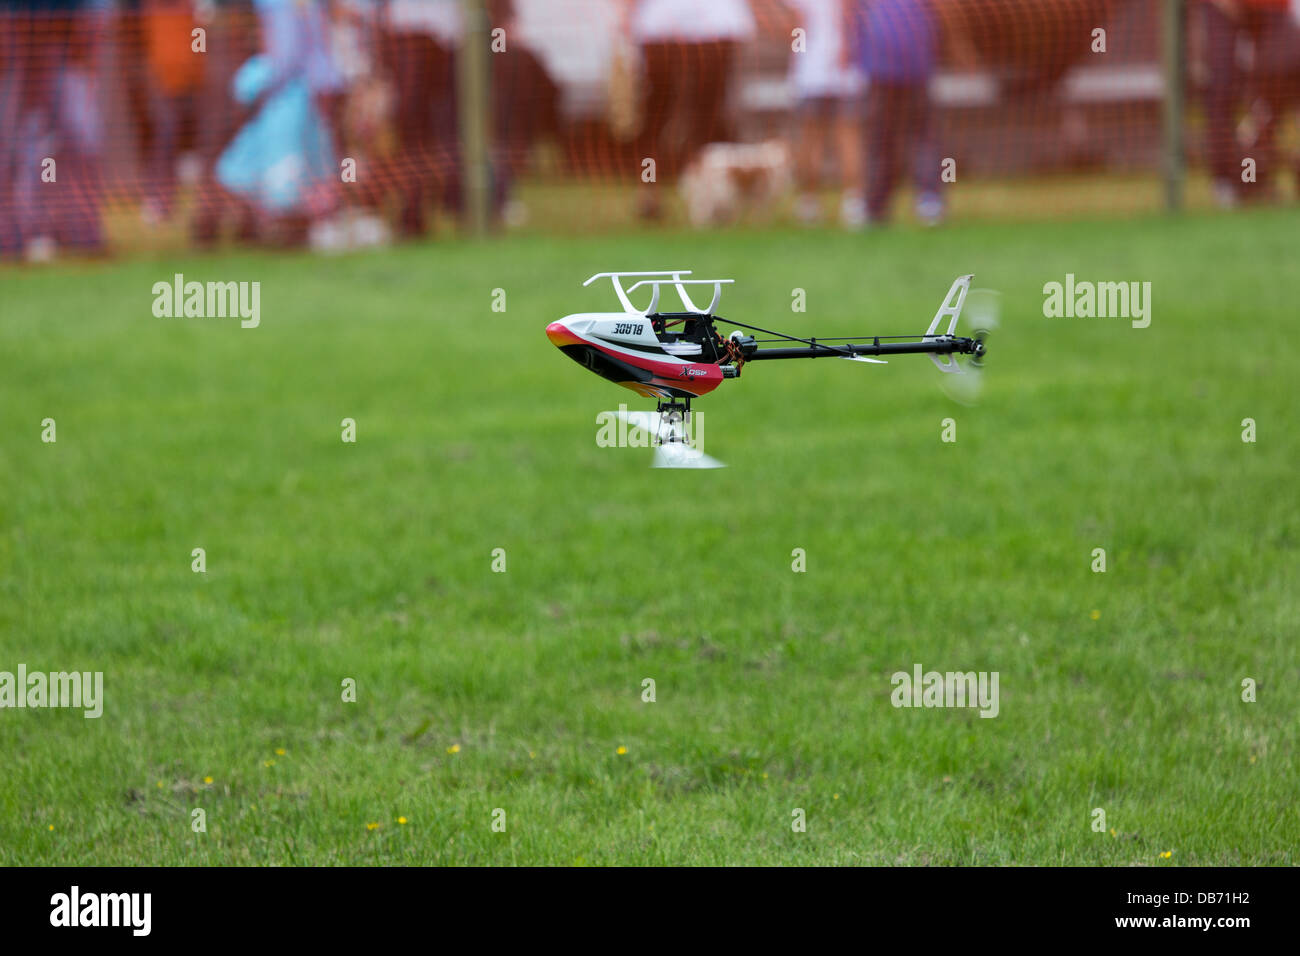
523,690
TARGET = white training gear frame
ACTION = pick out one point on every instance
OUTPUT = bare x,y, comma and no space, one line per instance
662,277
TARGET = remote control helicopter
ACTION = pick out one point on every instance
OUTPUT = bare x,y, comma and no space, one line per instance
677,356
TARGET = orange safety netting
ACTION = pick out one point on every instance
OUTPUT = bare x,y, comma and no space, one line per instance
340,120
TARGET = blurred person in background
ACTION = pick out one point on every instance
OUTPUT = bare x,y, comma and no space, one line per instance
688,52
896,42
1227,24
49,111
1277,68
232,38
828,90
365,133
525,108
420,39
283,159
172,79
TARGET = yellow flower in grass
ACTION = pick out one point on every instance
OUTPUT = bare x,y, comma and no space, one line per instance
268,763
1167,854
279,751
1095,615
454,749
402,821
372,826
207,779
621,750
51,826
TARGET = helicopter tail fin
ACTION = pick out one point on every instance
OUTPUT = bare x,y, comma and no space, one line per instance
950,309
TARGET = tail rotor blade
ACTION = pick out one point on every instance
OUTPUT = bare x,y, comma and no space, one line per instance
983,308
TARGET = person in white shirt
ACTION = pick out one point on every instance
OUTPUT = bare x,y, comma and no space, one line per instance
828,92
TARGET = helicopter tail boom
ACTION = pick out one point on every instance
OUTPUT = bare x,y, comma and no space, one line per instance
941,344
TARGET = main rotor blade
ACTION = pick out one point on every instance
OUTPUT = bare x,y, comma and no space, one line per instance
677,454
646,421
668,436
